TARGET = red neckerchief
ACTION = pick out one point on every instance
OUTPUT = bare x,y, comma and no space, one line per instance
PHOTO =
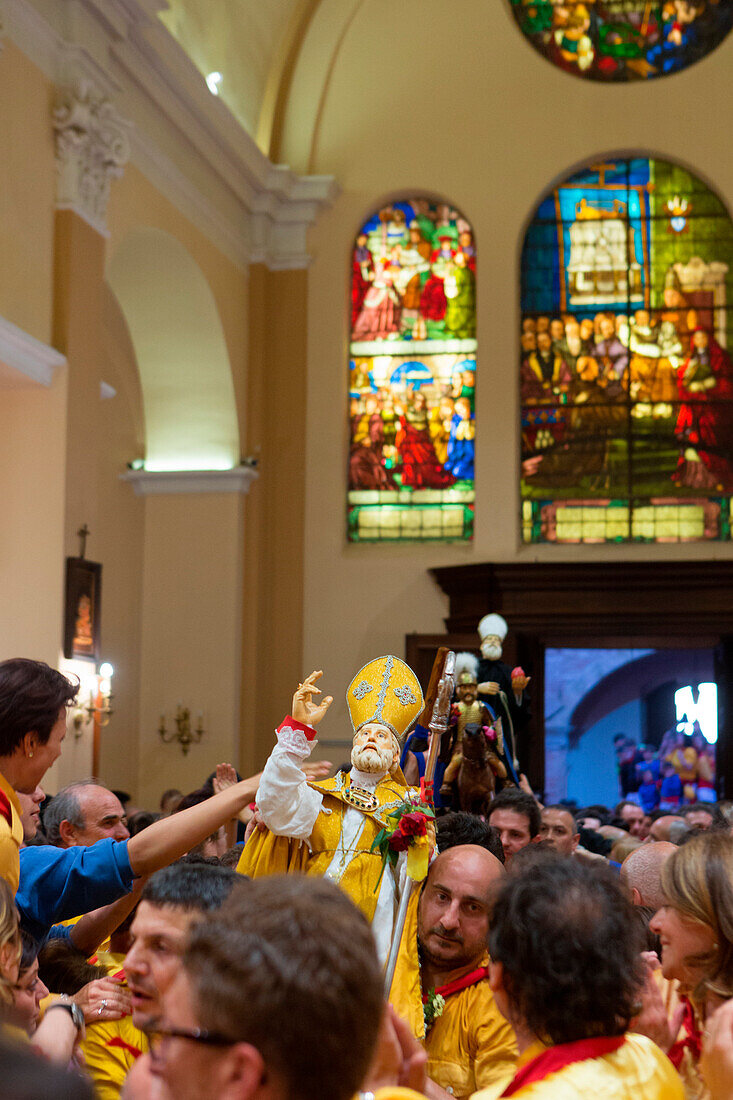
692,1039
557,1057
6,809
456,986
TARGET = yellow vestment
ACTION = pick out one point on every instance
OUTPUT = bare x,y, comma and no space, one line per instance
470,1045
358,869
638,1070
11,838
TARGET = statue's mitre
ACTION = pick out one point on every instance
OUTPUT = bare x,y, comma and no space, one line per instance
387,691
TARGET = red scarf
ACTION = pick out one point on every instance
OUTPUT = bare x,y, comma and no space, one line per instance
557,1057
692,1039
456,986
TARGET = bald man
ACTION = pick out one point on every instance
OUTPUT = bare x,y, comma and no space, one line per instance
660,829
641,873
443,963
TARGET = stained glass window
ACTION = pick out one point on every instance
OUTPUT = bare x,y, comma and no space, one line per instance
618,40
626,377
412,375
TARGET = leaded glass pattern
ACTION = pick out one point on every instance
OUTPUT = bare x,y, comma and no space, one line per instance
622,40
412,375
625,375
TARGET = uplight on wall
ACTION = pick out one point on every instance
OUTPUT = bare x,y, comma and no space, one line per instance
213,80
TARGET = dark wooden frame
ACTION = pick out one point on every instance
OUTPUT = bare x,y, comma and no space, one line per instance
82,578
661,604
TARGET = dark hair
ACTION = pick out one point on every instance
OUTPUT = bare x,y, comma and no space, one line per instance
697,807
193,798
141,820
25,1076
28,950
570,949
192,883
64,969
31,696
542,851
277,966
560,807
520,803
463,828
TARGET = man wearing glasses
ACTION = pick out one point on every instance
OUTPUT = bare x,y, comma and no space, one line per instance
279,996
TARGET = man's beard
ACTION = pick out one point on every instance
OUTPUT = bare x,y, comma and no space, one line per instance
372,760
491,651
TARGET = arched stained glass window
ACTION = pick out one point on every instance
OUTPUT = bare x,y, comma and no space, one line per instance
619,40
626,372
412,375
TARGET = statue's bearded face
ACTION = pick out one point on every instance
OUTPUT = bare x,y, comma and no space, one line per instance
374,749
491,647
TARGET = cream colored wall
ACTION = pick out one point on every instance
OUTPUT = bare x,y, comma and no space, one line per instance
27,188
190,652
32,447
449,99
134,204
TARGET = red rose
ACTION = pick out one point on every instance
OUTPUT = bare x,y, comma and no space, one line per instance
413,824
399,842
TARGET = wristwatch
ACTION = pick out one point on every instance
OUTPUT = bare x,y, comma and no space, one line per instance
77,1016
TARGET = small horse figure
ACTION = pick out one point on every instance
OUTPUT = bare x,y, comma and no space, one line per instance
480,767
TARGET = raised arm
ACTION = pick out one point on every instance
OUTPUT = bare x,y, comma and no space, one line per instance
171,837
289,807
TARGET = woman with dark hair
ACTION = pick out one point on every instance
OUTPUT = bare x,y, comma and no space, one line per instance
566,971
695,927
33,702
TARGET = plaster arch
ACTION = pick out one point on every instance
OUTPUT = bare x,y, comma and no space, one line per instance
177,334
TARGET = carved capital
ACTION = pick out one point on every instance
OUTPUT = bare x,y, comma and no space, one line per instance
92,148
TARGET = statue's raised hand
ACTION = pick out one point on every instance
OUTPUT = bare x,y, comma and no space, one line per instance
304,708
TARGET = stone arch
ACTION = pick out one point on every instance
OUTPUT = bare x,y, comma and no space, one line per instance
185,372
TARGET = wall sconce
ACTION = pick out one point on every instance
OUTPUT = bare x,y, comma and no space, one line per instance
98,708
183,733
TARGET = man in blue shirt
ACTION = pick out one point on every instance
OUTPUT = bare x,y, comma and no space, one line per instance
57,884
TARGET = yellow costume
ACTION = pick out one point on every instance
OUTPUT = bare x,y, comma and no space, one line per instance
266,854
110,1050
637,1070
11,835
327,827
470,1045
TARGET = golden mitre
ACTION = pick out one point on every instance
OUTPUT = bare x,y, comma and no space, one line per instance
387,691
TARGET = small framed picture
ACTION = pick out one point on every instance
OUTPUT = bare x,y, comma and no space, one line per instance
82,612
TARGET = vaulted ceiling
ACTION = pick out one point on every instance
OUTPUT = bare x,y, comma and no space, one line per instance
254,45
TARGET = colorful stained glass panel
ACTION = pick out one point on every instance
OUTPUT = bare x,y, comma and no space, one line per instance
412,376
620,40
625,375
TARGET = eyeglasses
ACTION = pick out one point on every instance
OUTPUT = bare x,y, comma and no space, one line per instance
157,1037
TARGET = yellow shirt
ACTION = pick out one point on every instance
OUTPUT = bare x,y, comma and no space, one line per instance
470,1045
110,1051
267,854
11,838
636,1071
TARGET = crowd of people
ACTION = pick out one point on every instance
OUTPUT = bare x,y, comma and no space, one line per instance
665,368
677,773
171,953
